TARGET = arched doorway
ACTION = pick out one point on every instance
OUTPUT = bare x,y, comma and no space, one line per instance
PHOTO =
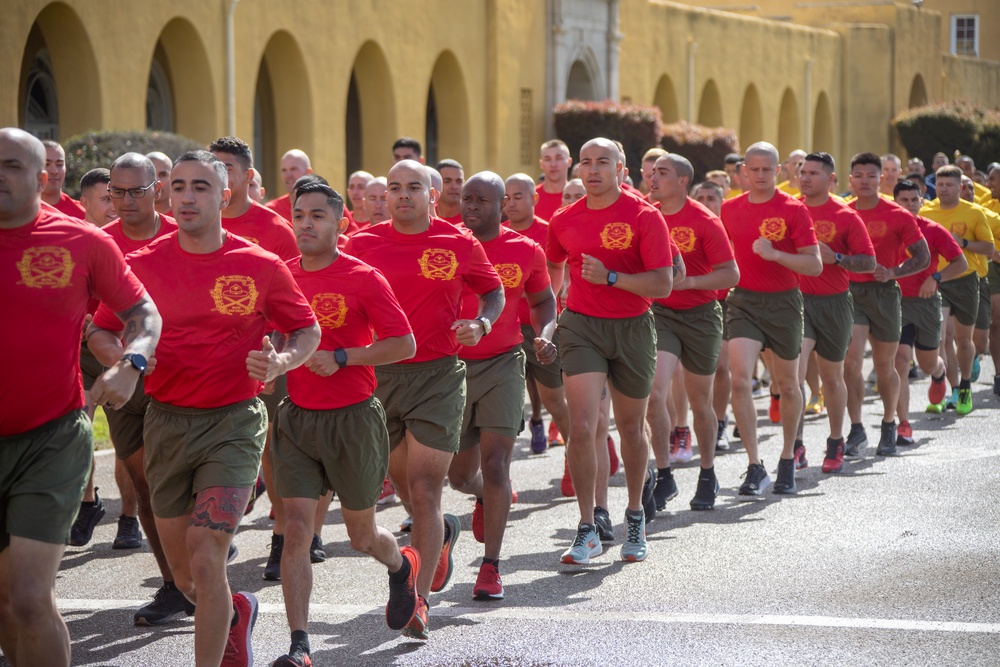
370,123
751,118
710,108
918,92
187,105
666,99
823,125
580,82
448,132
789,134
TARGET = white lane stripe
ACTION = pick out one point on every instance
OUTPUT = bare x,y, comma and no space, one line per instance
570,615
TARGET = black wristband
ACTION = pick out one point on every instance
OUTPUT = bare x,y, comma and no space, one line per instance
936,276
340,356
965,243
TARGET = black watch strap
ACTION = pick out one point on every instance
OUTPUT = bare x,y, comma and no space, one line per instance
137,361
340,356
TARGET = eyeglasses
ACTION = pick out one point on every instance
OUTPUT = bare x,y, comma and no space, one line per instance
134,193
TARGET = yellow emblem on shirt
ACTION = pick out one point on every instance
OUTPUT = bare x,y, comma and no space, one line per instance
330,309
876,229
773,229
510,274
684,237
46,266
959,228
617,236
825,230
438,264
235,295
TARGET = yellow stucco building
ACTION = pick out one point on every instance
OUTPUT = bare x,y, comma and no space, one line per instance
476,80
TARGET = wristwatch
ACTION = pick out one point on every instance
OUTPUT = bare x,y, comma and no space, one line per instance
838,258
612,278
340,356
965,243
487,325
936,276
137,361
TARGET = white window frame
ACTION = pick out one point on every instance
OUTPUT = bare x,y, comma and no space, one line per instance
954,33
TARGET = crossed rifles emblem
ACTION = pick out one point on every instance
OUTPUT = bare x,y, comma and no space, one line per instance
46,266
235,295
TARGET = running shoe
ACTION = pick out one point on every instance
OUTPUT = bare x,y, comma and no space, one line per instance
887,441
684,452
317,554
904,433
272,569
756,480
602,519
417,628
87,518
815,405
996,385
665,490
586,545
721,441
937,389
129,536
488,585
555,437
613,455
479,521
403,596
239,644
935,408
952,400
799,455
736,432
407,525
964,405
834,459
257,492
774,411
567,480
446,562
977,368
784,483
856,441
635,548
649,494
673,446
706,492
168,603
300,658
388,495
538,439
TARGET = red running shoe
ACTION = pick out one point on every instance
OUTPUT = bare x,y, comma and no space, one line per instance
555,437
388,493
800,456
904,433
488,585
403,599
446,563
478,521
613,455
834,460
417,627
774,412
937,391
239,647
567,481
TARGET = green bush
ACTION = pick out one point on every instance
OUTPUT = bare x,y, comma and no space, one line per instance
637,127
99,149
949,127
705,147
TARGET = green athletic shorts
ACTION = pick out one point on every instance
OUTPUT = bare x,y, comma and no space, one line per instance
189,450
921,322
126,425
494,397
346,450
876,306
693,335
985,313
773,319
426,398
42,476
548,375
828,319
993,278
272,401
90,367
961,296
622,348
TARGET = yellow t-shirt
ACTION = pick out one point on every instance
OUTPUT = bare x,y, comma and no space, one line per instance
967,221
786,186
982,194
733,193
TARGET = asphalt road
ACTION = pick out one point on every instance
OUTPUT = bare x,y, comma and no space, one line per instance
893,562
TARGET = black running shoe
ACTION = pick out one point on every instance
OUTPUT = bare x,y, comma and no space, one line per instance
233,553
316,552
129,536
87,519
648,498
887,442
272,570
756,480
785,481
856,441
666,490
168,603
707,491
605,529
996,385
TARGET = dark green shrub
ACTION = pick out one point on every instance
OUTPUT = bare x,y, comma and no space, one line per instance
950,128
705,147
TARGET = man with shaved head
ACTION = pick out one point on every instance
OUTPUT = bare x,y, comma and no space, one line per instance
376,205
294,165
256,189
792,165
620,257
53,195
554,162
51,267
494,402
163,165
449,206
356,185
428,264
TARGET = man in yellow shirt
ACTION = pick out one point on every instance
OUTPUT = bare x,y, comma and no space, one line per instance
960,296
968,167
792,166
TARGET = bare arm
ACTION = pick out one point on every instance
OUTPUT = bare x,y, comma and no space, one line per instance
141,332
557,274
680,270
805,261
920,259
978,247
468,332
722,276
383,351
652,284
291,352
852,263
955,268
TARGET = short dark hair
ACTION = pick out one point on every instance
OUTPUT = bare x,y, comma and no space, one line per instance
823,158
236,147
306,179
208,159
408,142
135,161
866,158
903,186
733,158
449,164
93,177
709,185
333,198
949,171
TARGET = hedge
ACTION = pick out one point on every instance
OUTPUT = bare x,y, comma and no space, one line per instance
948,127
99,149
705,147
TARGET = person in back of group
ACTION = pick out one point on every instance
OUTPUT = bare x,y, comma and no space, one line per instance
94,197
294,165
52,194
163,165
555,163
449,202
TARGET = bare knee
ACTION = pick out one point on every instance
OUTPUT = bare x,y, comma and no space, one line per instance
363,540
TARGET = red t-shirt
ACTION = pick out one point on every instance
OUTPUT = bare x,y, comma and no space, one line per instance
840,227
454,220
127,245
265,228
50,269
427,272
548,202
282,206
941,243
520,263
216,308
539,233
70,207
351,300
783,220
891,229
703,243
629,236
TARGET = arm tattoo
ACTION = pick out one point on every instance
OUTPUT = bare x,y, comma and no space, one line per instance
220,508
858,263
920,259
142,327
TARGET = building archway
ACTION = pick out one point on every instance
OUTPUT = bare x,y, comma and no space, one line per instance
447,122
710,108
822,139
371,112
666,99
918,92
789,134
180,75
751,118
59,93
580,82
